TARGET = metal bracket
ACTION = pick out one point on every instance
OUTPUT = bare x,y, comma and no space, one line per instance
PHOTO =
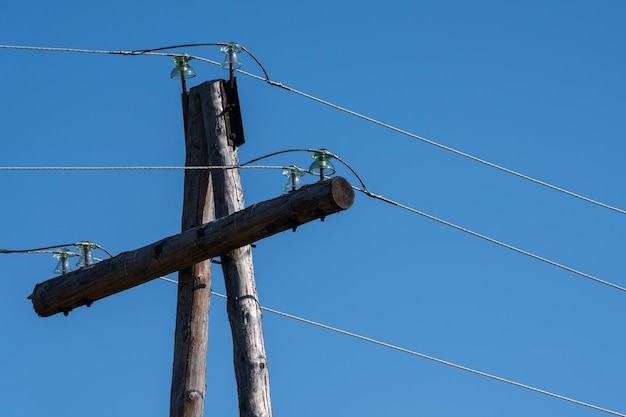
232,114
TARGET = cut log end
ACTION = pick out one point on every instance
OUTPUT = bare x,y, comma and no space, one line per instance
342,193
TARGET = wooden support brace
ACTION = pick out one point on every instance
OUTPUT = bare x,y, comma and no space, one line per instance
129,269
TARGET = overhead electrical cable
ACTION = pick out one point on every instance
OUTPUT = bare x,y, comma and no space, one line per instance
488,239
322,101
46,249
437,360
368,193
36,249
441,146
86,51
424,356
363,189
141,168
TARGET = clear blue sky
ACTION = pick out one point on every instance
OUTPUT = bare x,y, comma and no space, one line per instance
535,86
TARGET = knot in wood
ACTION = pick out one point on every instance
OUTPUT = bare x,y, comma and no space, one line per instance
194,395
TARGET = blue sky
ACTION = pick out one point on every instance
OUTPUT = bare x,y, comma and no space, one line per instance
534,86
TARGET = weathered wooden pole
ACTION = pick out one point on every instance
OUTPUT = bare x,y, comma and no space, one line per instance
174,253
243,306
194,282
212,133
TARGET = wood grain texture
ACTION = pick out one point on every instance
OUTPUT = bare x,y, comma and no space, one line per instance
194,282
244,312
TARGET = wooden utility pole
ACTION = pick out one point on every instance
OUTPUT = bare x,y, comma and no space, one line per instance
212,137
194,282
243,306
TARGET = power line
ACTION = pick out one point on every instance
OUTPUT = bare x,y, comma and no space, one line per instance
329,104
245,165
46,249
150,52
85,51
363,190
390,202
439,145
488,239
424,356
141,168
